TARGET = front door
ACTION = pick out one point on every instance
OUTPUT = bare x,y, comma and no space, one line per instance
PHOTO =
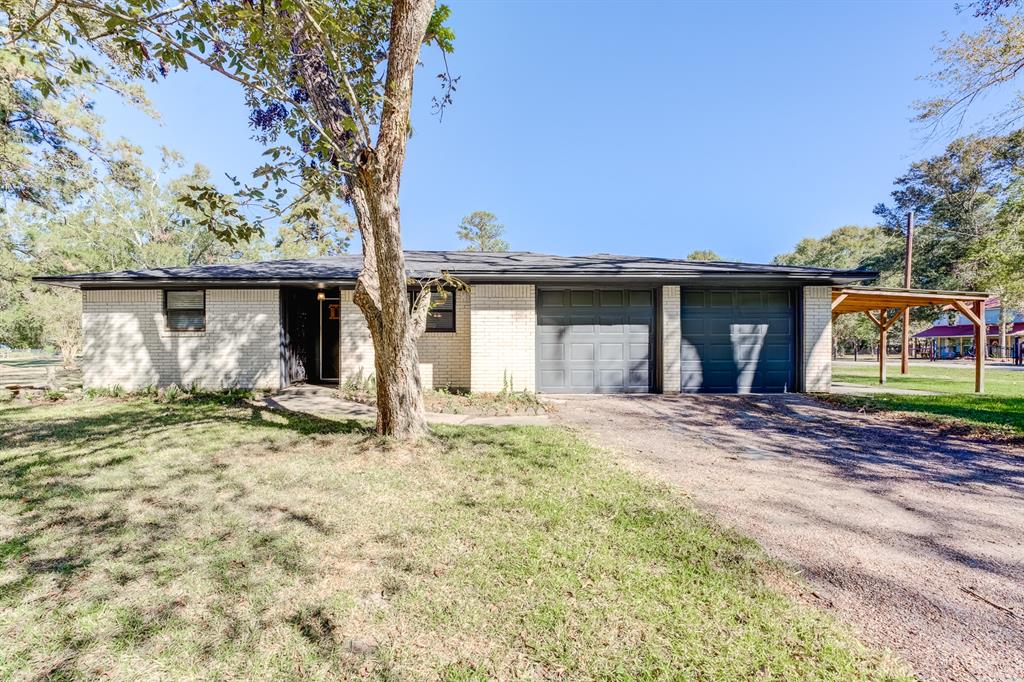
330,332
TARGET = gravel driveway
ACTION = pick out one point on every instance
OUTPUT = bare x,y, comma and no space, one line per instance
914,536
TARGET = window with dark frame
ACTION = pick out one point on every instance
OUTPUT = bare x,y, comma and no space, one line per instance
441,316
185,311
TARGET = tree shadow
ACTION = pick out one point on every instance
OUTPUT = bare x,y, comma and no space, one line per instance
89,516
882,457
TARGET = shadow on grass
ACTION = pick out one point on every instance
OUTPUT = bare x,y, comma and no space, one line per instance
93,499
991,410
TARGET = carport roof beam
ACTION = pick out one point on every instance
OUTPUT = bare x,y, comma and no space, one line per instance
862,299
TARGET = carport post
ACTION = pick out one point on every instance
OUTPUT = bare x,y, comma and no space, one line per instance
980,342
882,333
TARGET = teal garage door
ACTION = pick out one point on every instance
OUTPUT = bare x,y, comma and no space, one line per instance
738,340
595,340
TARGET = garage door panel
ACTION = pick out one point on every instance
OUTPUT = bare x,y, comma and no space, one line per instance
613,378
552,377
552,351
639,351
746,300
641,299
612,299
549,324
721,299
737,340
551,298
693,298
582,379
610,325
777,353
582,352
778,300
611,352
578,299
605,337
639,378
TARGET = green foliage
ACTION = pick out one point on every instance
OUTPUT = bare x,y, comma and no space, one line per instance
849,247
853,247
969,232
706,255
315,226
51,144
303,55
438,33
974,64
482,232
114,226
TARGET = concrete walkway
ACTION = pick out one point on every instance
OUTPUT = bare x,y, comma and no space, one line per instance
324,401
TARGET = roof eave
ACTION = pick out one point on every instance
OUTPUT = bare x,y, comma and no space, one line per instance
831,278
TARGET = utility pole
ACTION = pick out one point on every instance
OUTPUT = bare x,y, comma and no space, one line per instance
905,361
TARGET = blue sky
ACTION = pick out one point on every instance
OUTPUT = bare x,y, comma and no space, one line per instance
640,128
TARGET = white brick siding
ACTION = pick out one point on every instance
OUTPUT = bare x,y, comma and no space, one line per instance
126,343
503,344
444,356
356,345
817,339
671,339
447,353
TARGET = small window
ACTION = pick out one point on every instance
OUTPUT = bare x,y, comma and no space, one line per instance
185,310
441,316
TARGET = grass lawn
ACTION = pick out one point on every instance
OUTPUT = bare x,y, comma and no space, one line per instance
191,539
1001,407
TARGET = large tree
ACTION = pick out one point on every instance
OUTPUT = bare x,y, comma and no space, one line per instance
964,200
330,86
974,64
847,248
482,232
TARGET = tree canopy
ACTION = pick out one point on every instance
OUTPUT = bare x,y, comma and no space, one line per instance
704,255
482,232
329,85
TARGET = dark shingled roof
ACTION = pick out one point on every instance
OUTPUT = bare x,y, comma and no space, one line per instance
468,265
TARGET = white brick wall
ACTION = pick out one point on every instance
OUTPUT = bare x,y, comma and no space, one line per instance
447,353
125,341
356,344
671,339
503,344
817,339
444,356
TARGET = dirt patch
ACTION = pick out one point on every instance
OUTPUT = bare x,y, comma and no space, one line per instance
476,404
911,532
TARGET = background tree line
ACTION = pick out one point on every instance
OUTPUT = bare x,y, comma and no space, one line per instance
132,217
969,232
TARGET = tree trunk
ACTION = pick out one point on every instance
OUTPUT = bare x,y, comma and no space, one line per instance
382,288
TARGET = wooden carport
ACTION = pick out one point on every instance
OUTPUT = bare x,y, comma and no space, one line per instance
884,306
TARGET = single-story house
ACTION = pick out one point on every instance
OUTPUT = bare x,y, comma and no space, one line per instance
552,324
